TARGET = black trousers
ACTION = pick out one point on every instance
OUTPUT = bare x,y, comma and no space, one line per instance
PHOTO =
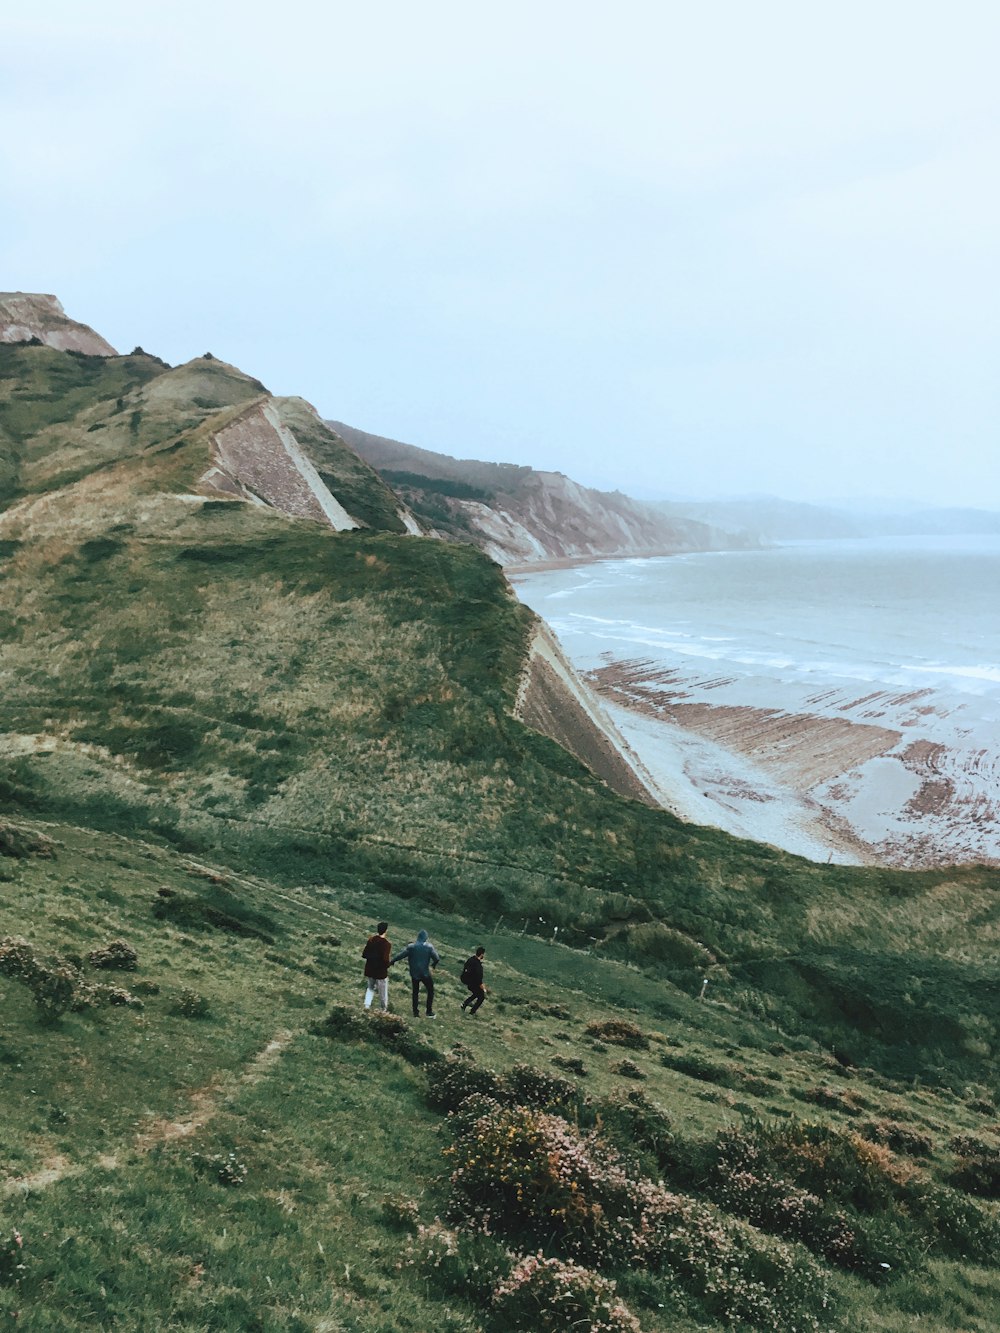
474,999
417,983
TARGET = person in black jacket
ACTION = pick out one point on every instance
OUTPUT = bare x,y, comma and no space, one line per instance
472,976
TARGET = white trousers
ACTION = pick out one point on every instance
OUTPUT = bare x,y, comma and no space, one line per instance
381,988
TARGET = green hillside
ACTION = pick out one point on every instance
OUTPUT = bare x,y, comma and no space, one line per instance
234,740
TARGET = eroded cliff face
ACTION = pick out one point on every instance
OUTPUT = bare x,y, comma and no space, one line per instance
522,517
28,315
554,518
257,458
554,700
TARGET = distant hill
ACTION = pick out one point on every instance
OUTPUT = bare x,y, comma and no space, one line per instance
773,519
27,315
518,515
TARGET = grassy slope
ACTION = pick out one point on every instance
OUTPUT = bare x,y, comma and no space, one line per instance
331,711
109,1110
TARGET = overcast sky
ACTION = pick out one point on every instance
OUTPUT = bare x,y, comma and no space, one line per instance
680,249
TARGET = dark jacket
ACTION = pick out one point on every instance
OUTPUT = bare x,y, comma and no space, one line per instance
376,955
472,973
421,956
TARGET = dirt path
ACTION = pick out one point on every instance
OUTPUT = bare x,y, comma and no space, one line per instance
203,1106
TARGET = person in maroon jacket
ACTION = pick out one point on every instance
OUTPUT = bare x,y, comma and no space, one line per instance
376,954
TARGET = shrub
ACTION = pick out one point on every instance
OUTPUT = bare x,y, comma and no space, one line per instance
456,1079
469,1265
18,843
547,1294
619,1032
536,1087
696,1065
89,996
52,986
571,1064
633,1119
388,1030
530,1178
12,1264
628,1069
978,1168
189,1004
117,956
900,1138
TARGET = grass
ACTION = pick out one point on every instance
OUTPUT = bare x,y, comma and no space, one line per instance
341,1144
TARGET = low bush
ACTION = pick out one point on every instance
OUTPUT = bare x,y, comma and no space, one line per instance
547,1294
468,1265
52,985
19,844
695,1065
900,1138
190,1004
619,1032
978,1167
529,1086
387,1030
116,956
628,1069
571,1064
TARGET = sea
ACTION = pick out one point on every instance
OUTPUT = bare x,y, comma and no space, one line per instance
853,684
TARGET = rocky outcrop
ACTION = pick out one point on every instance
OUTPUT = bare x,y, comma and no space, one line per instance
30,315
257,458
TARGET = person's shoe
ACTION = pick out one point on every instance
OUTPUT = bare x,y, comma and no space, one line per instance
432,1015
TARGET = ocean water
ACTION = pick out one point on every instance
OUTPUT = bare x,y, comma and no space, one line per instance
895,633
917,612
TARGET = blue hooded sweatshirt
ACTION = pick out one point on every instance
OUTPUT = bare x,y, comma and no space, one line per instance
421,955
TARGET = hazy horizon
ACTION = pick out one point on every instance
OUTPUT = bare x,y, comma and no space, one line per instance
700,251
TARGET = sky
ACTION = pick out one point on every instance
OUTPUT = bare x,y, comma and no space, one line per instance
676,249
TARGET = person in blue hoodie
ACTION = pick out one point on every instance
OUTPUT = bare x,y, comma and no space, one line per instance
422,958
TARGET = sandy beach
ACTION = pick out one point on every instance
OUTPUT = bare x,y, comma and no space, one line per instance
885,777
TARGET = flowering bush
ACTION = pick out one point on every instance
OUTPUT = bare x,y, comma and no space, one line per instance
12,1265
458,1078
470,1265
116,956
537,1087
51,985
528,1176
88,996
900,1138
546,1294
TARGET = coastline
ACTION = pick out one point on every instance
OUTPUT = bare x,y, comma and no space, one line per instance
573,561
865,759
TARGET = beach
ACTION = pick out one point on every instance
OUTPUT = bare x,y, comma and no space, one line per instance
878,743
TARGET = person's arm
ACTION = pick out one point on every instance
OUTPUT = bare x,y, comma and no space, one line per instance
435,957
402,954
